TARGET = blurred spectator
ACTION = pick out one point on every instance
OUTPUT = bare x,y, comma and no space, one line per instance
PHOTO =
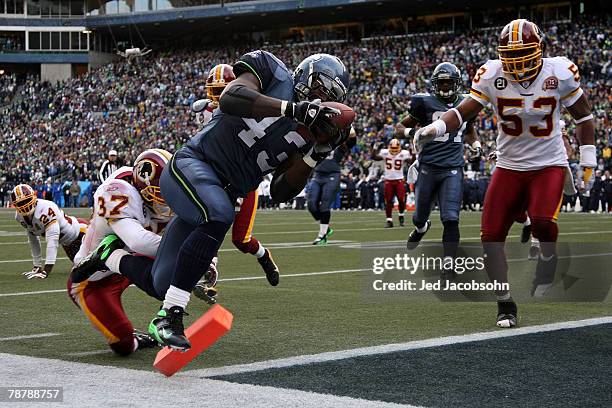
75,192
109,166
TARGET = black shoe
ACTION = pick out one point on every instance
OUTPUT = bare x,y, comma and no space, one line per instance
526,233
389,224
269,267
94,262
167,328
205,292
401,220
544,277
506,314
145,340
415,236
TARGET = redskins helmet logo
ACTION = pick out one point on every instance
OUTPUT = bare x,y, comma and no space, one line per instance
146,171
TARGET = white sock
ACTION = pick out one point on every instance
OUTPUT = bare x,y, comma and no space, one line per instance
261,251
390,219
113,261
323,229
527,222
535,242
422,229
176,297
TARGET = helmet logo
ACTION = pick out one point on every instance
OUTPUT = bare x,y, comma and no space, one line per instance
312,113
146,171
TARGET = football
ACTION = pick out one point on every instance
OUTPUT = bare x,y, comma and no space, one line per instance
346,117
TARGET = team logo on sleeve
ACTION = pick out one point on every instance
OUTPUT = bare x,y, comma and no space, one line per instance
501,83
550,83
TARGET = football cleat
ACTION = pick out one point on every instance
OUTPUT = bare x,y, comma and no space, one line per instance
401,220
144,340
389,224
205,288
322,240
95,260
525,233
167,328
506,314
534,253
544,276
269,267
415,236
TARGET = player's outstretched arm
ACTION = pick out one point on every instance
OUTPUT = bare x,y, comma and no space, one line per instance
405,128
375,153
452,119
135,236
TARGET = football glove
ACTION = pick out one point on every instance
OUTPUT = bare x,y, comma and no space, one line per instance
474,153
588,161
38,272
315,116
200,105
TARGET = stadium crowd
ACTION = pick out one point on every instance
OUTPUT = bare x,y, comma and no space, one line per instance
63,131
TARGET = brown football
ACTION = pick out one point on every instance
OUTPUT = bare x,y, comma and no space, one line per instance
346,116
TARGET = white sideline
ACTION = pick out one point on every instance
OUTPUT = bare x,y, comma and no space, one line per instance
29,336
391,348
90,385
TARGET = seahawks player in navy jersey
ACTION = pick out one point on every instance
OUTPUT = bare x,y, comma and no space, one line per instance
324,186
439,161
253,133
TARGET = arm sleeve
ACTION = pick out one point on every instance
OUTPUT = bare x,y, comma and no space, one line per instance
569,81
133,234
35,248
259,63
52,234
479,90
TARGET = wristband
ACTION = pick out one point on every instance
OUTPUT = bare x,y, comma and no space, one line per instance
440,127
407,132
309,161
283,107
588,117
588,158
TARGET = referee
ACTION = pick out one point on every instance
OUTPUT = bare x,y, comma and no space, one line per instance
109,166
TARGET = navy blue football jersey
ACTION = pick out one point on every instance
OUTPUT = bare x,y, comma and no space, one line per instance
243,150
445,150
331,164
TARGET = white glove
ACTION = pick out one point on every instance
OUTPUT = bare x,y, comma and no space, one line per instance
588,160
200,105
37,272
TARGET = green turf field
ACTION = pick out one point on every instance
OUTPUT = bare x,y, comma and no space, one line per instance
303,315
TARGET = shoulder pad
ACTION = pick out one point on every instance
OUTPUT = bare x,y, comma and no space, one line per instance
493,69
560,67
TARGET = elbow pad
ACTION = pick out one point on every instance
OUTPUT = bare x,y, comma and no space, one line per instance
239,100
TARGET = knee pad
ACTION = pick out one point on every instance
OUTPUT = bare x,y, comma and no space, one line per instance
451,231
544,230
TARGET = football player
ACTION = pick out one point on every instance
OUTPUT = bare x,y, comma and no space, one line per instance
324,186
218,78
44,218
394,184
129,213
439,160
526,92
254,133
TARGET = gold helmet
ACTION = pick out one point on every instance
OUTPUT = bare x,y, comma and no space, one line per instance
521,45
395,146
218,77
24,199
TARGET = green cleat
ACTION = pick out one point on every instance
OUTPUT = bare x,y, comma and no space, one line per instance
167,328
94,262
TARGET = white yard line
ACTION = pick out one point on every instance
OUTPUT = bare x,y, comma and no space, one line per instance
96,386
29,336
391,348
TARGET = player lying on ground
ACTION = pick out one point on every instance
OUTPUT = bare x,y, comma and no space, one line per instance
527,92
44,218
394,183
323,188
439,164
255,132
246,208
129,212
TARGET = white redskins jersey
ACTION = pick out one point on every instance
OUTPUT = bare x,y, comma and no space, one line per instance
529,133
394,164
46,215
117,199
